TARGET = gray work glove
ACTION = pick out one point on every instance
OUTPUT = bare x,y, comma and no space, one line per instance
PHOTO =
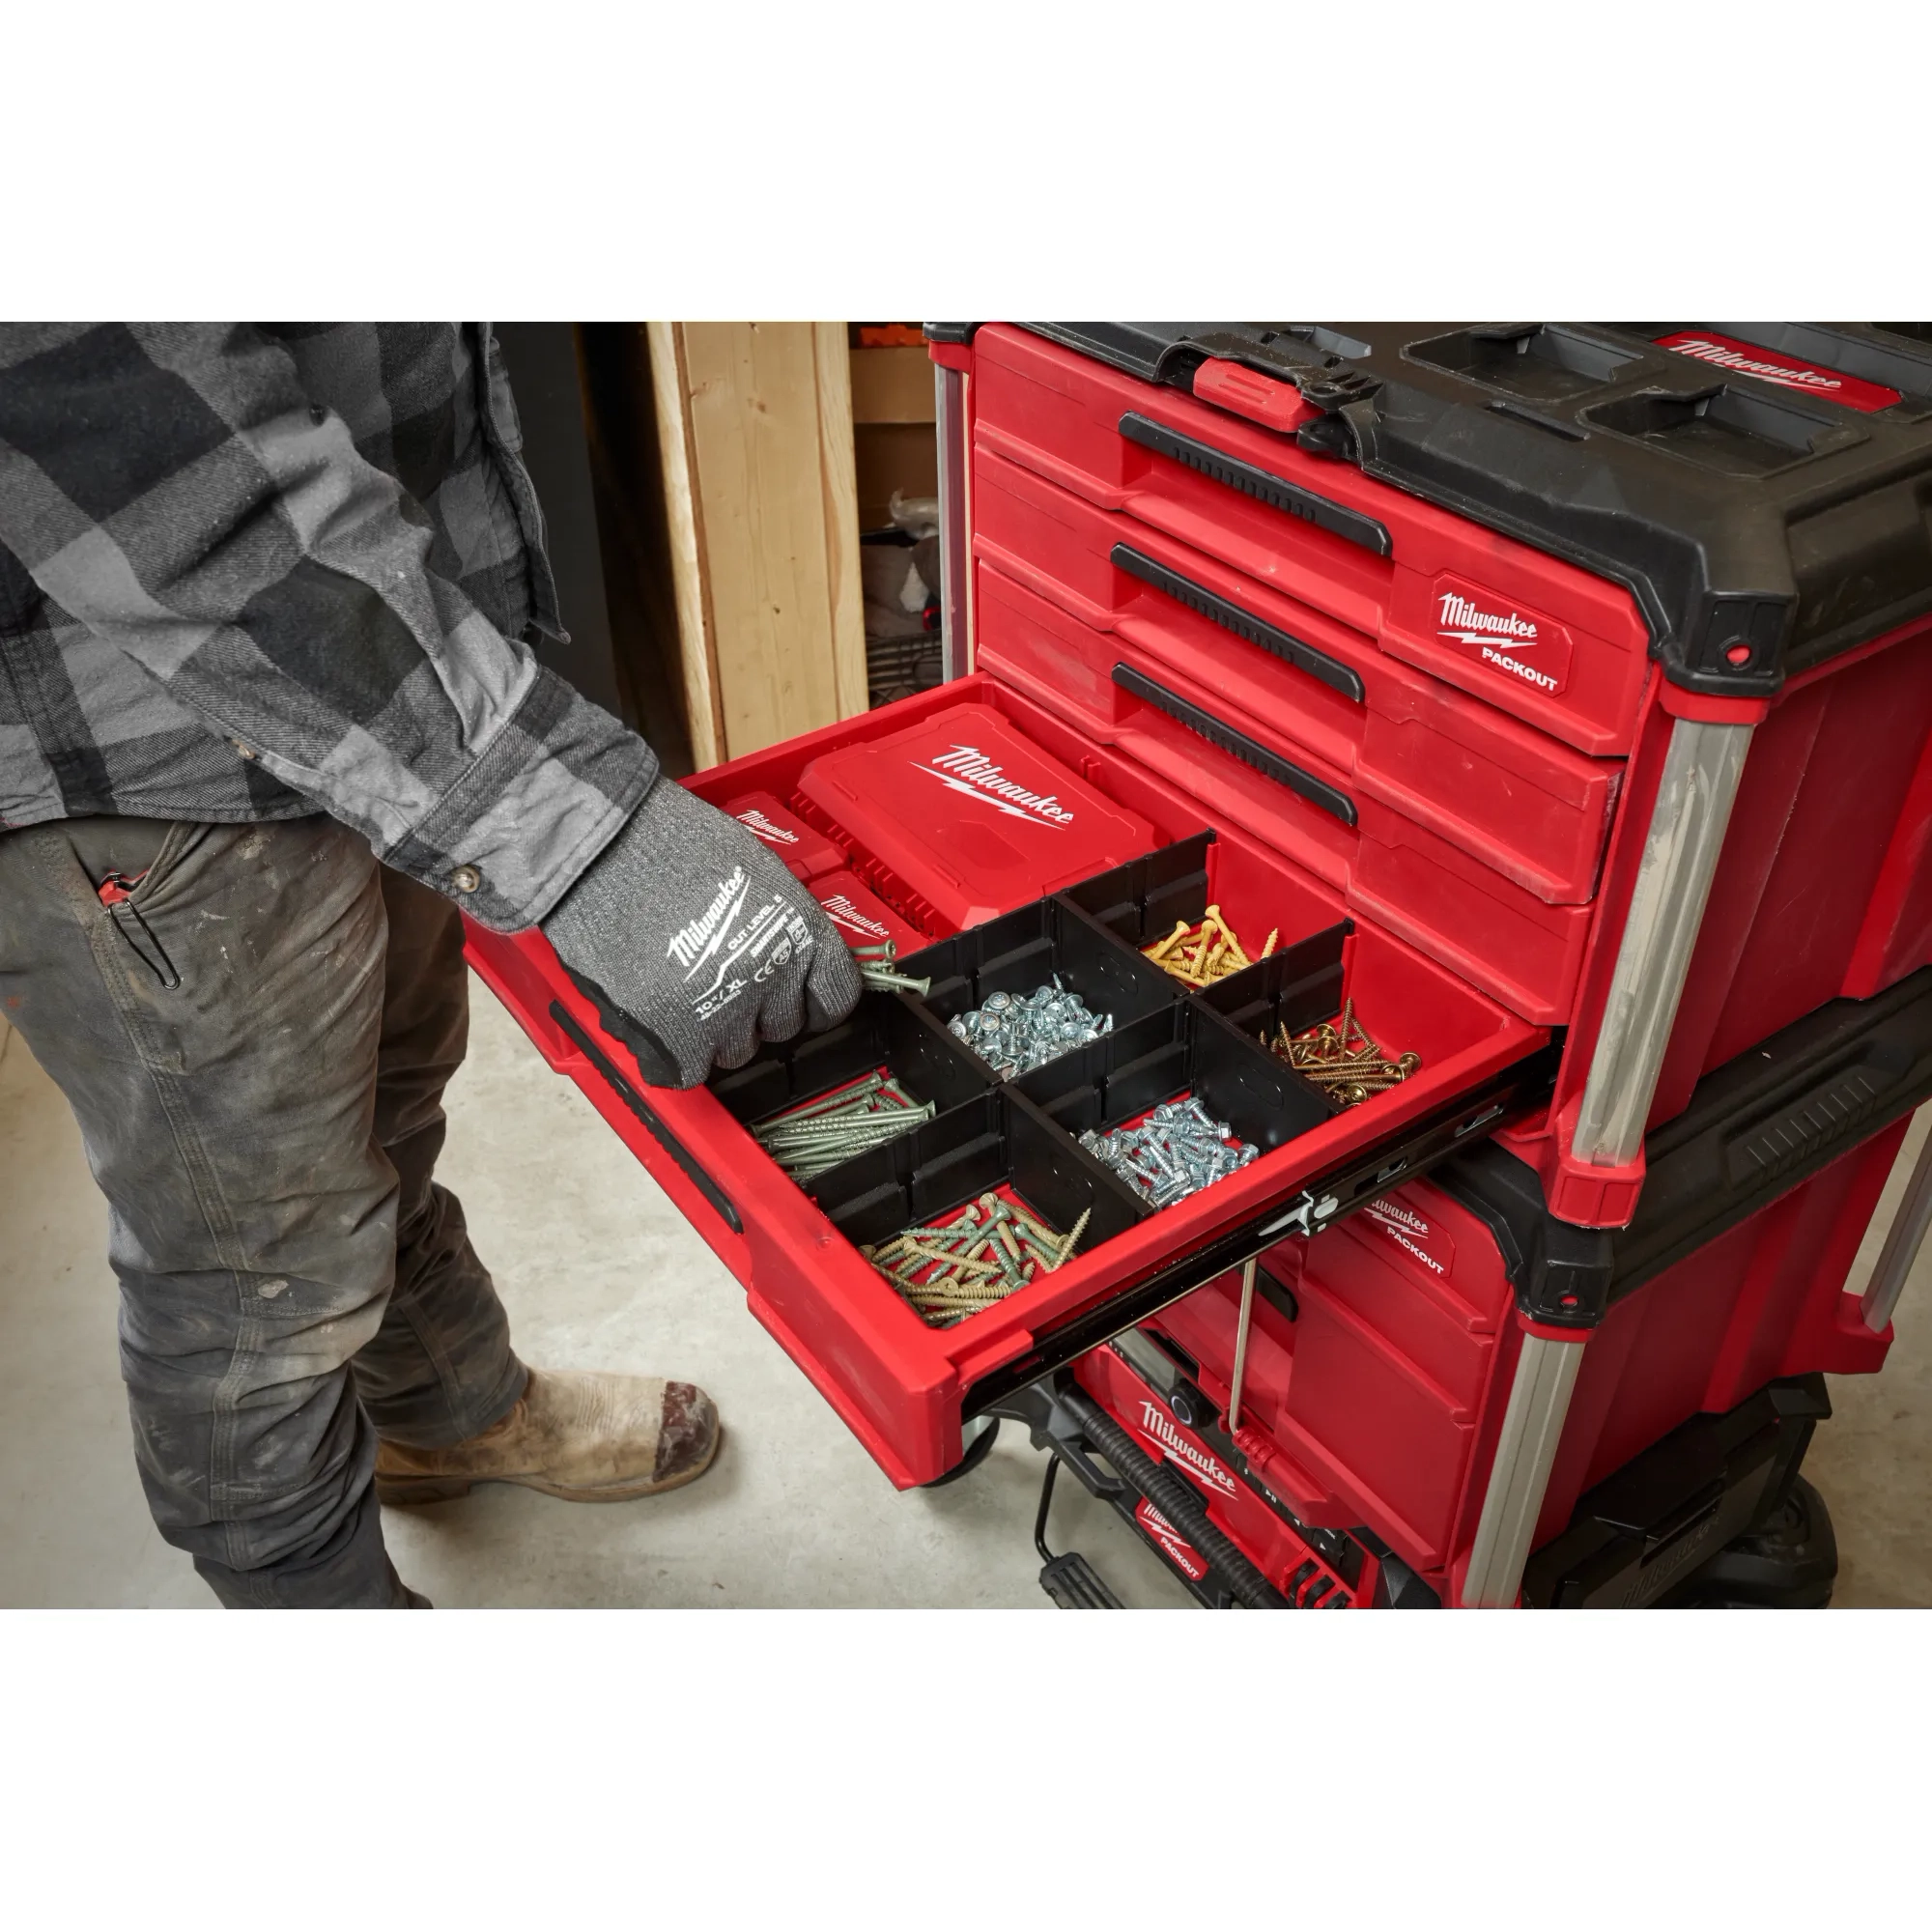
695,943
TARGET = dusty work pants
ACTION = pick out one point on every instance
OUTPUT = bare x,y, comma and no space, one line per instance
255,1043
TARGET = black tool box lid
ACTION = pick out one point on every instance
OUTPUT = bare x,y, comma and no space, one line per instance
1763,488
1755,1129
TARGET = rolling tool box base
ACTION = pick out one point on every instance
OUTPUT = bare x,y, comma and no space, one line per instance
1715,1515
1378,1360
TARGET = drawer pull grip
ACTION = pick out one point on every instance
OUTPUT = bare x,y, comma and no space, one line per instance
1263,485
1253,630
1237,744
649,1116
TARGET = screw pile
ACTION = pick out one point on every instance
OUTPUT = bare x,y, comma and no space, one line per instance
1341,1060
806,1141
876,967
1171,1153
1014,1032
1199,954
953,1269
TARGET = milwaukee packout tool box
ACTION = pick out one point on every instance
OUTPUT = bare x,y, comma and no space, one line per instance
1591,661
1296,680
1378,1360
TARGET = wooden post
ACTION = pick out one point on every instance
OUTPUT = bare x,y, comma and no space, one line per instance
755,427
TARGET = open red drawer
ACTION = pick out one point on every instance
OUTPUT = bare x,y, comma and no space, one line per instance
905,1388
1373,558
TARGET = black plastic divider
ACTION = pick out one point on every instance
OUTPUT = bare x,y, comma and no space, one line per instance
1116,1079
1295,987
1000,1140
1023,1134
890,1029
1027,948
1140,901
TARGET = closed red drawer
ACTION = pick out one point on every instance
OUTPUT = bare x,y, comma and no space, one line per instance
1524,951
1370,1392
1430,587
1524,804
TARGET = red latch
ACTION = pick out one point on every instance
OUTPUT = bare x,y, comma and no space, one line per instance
1229,385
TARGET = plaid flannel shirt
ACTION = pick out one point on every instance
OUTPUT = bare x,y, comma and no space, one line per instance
251,571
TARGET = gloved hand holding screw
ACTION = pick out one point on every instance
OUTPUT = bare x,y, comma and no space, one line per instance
695,943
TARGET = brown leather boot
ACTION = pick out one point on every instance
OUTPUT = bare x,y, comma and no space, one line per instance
588,1438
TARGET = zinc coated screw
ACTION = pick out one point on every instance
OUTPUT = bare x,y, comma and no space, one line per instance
1016,1032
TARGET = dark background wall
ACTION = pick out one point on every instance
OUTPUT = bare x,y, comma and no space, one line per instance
589,439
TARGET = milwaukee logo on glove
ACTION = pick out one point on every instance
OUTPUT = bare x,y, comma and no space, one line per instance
771,936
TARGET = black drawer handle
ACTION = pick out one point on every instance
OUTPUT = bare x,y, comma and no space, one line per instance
648,1114
1277,491
1236,744
1231,617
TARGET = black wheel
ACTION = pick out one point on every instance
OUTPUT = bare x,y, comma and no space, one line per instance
978,1449
1788,1563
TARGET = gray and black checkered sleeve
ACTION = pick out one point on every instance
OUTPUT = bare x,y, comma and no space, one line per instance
172,488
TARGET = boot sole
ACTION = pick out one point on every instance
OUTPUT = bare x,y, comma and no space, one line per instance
401,1491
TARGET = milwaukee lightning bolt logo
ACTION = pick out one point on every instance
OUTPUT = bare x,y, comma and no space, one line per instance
1160,1431
840,910
1178,1550
1470,624
754,820
732,950
1507,640
1787,375
1412,1233
1787,372
968,771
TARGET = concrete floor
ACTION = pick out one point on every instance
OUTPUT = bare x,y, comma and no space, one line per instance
599,1270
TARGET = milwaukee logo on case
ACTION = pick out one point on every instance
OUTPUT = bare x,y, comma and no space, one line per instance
1415,1235
1183,1555
756,821
1767,365
1506,638
842,912
1162,1432
968,770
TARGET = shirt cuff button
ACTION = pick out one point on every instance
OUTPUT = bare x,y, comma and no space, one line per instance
466,878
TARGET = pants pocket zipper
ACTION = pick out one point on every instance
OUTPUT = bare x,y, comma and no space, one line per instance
115,893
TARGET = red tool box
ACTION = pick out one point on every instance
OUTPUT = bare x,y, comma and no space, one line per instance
1558,698
806,852
1378,1361
1479,625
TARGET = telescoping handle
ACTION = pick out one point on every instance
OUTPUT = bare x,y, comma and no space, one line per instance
1909,1229
1237,744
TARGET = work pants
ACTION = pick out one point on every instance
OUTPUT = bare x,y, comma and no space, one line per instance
255,1041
